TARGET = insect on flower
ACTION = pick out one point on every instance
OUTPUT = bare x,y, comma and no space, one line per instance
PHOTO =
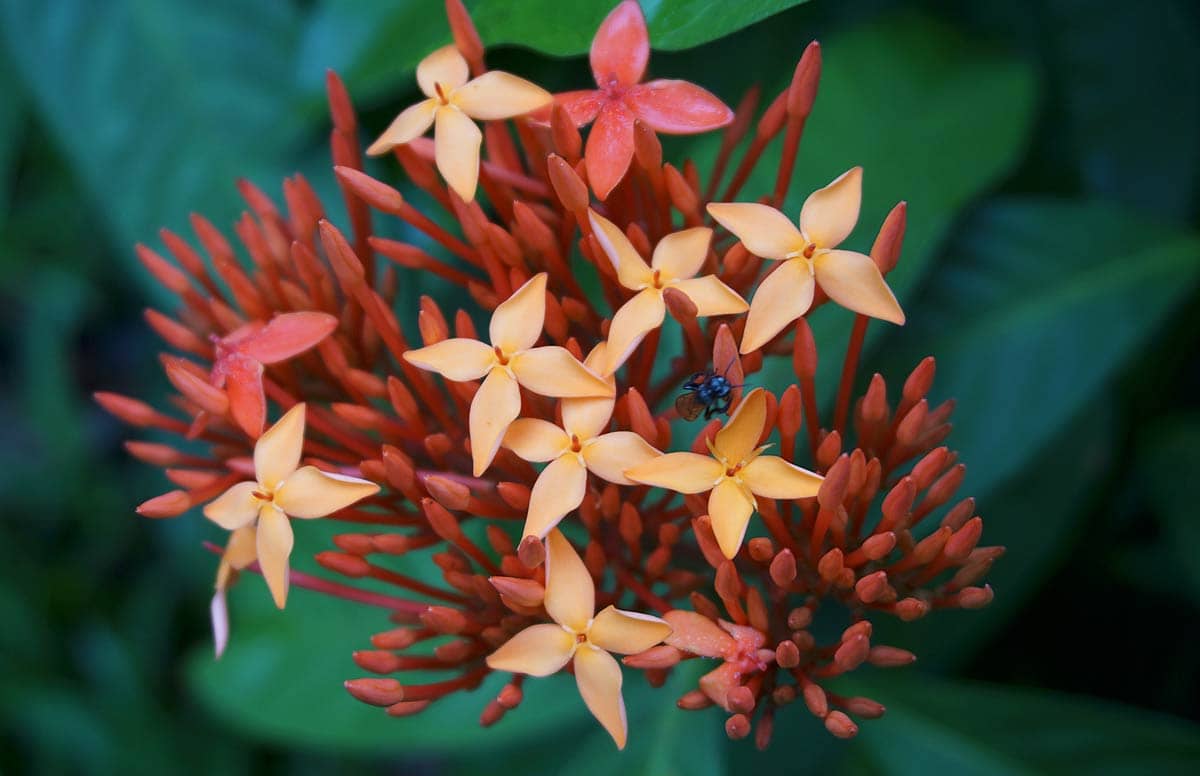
706,392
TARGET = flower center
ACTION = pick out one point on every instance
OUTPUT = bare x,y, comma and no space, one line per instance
580,638
656,279
441,94
261,496
501,356
809,250
576,445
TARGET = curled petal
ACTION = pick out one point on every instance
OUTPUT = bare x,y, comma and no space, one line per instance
740,434
762,229
536,440
599,678
609,455
642,314
539,650
626,633
853,281
311,492
244,387
632,270
729,508
288,335
609,148
455,359
782,297
680,472
621,47
277,452
498,95
770,476
496,405
517,321
412,122
558,490
581,106
693,632
679,255
570,593
553,371
712,297
240,550
218,612
275,541
456,142
446,67
829,214
235,507
678,107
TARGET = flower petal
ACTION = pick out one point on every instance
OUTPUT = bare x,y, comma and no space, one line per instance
218,613
729,508
621,47
586,418
740,434
609,148
517,321
718,683
311,492
632,270
678,107
853,281
770,476
412,122
235,507
609,455
288,335
456,142
782,297
446,66
642,314
277,451
680,472
693,632
498,95
539,650
455,359
570,593
244,387
627,633
496,404
536,440
599,678
582,105
275,542
762,229
558,490
711,296
681,254
829,214
553,371
241,549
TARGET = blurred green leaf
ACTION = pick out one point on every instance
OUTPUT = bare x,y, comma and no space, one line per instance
1028,317
969,729
1167,464
377,43
152,102
12,126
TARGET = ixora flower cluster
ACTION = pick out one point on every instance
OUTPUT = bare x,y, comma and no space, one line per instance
547,467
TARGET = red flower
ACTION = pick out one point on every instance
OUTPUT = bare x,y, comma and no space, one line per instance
619,54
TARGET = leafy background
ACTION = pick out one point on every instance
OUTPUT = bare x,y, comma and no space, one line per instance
1049,150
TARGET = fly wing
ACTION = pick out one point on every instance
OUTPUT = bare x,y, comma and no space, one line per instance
688,405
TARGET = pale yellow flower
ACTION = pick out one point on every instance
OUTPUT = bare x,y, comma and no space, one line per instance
573,450
258,512
851,279
735,474
509,361
579,633
452,102
677,258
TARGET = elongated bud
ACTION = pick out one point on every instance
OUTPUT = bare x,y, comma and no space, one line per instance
840,725
375,193
523,592
377,692
890,657
803,92
886,250
783,568
571,190
170,504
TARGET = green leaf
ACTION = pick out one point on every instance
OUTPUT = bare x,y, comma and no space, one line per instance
1167,464
971,729
375,44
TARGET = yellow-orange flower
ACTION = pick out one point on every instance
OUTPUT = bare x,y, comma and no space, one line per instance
677,258
257,512
573,450
851,279
452,102
510,360
579,633
736,473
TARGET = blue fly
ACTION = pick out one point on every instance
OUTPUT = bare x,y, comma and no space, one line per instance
706,392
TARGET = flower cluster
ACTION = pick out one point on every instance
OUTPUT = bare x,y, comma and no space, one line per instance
549,463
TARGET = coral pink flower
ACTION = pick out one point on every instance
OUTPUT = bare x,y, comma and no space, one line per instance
619,55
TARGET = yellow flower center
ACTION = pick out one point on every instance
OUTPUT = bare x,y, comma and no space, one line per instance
656,280
576,445
442,96
501,356
263,496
